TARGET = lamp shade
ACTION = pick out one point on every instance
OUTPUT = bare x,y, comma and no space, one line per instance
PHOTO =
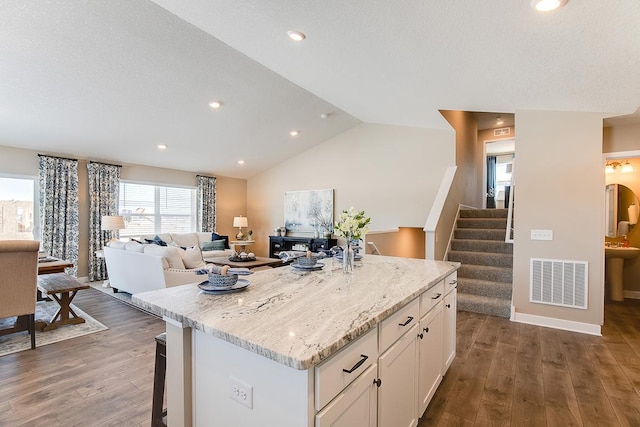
112,222
240,221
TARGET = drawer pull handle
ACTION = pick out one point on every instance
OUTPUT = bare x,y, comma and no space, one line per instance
426,329
357,365
438,295
420,335
409,319
377,382
448,305
453,282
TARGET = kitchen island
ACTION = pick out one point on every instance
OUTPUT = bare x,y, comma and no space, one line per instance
266,356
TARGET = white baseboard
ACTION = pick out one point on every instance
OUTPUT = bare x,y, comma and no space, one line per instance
551,322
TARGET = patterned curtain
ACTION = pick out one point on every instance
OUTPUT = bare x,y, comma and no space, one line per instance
104,189
58,179
206,200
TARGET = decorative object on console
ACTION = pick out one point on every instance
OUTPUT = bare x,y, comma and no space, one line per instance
240,221
112,224
308,211
351,225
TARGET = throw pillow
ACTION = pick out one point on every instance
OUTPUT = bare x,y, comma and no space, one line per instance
192,257
216,236
157,241
216,245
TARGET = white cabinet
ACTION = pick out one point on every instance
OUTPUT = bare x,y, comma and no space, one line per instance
449,341
355,405
397,393
429,356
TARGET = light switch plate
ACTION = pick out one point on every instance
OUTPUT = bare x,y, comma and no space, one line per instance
541,234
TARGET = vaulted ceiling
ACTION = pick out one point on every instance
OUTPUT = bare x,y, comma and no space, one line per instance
111,80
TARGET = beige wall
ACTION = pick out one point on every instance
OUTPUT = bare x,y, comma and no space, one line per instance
407,242
627,138
559,186
391,172
230,198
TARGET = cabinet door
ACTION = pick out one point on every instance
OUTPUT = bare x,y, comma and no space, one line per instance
355,406
429,356
449,341
397,395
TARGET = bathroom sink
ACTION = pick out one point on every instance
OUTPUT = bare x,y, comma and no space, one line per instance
626,253
615,259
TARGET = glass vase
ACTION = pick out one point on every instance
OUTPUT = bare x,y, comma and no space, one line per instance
348,257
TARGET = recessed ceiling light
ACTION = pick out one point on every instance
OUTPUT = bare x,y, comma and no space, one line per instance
294,133
241,162
547,5
215,104
296,36
499,121
323,116
161,146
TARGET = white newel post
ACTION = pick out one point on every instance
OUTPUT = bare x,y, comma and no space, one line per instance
179,402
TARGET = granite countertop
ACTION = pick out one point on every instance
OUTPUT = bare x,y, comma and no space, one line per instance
300,318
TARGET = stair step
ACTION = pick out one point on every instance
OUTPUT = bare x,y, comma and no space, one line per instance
496,247
486,305
481,272
485,288
482,223
484,213
481,258
479,234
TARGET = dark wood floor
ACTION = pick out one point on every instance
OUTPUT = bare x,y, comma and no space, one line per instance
511,374
505,374
102,379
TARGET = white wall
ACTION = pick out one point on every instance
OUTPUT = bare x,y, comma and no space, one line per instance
559,186
391,172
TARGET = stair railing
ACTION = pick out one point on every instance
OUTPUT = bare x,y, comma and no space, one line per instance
508,238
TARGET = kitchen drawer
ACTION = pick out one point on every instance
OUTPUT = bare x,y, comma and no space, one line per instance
450,282
398,323
332,376
430,298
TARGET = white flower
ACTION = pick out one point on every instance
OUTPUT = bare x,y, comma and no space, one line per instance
352,224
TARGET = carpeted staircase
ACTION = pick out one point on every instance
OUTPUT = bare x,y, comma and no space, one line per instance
486,275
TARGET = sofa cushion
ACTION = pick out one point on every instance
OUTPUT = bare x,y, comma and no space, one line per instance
216,236
117,244
185,239
192,257
134,247
165,237
170,253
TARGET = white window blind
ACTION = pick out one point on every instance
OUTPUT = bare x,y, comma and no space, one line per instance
152,209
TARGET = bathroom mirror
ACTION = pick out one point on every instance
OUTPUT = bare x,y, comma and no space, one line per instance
621,209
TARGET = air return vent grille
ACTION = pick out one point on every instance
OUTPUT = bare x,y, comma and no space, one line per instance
559,282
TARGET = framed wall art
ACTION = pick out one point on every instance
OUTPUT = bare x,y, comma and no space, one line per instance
308,211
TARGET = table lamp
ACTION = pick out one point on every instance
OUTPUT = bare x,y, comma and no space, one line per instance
240,221
112,223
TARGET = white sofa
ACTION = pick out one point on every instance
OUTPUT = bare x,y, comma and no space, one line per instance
135,267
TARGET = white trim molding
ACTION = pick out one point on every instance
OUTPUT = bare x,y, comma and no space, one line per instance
551,322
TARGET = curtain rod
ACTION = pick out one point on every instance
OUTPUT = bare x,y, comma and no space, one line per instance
57,157
204,176
103,163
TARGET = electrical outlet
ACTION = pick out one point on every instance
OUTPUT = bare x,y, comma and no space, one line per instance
241,392
541,234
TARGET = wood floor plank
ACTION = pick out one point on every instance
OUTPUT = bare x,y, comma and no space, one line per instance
500,381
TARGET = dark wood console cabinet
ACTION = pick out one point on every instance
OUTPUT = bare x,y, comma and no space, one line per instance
277,244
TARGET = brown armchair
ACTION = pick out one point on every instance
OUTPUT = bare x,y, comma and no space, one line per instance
18,284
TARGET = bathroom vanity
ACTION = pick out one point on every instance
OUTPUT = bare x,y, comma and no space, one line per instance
310,348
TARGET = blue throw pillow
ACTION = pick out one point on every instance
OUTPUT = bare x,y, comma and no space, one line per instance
216,236
157,241
215,245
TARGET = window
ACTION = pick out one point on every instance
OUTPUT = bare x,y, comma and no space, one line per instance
152,209
17,208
